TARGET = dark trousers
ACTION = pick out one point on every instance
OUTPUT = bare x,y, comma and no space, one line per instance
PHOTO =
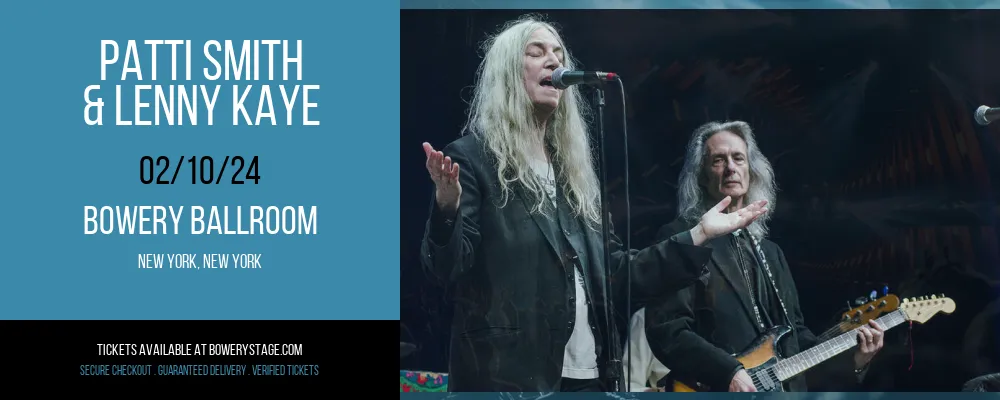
581,385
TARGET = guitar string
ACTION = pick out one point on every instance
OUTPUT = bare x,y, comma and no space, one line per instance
838,328
888,320
834,331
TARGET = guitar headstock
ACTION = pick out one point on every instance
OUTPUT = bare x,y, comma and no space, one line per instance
921,309
861,315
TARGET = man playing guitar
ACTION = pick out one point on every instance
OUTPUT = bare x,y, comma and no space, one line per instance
749,290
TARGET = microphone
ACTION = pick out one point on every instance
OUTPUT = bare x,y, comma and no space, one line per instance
563,78
985,115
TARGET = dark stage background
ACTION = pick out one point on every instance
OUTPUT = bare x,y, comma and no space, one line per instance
867,117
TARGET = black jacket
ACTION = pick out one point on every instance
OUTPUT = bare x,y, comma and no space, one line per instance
511,271
695,331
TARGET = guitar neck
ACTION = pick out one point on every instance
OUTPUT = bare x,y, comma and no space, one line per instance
801,362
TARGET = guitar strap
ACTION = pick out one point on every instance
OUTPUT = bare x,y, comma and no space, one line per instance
774,286
770,277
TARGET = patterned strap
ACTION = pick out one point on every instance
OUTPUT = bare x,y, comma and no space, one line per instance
767,269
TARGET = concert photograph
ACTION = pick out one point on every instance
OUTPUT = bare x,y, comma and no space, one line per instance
699,200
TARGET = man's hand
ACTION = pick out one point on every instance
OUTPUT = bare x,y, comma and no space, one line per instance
444,173
716,222
742,383
869,342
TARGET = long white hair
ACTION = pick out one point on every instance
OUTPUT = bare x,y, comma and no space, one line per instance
502,115
692,196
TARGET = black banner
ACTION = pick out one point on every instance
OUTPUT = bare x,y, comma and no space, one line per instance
202,352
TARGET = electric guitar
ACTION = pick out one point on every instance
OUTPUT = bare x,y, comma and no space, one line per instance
849,320
768,370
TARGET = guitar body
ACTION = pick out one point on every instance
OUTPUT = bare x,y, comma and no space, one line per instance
756,358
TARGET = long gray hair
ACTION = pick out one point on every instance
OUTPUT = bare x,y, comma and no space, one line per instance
692,196
502,115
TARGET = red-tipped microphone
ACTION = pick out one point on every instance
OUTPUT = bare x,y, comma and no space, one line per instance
563,78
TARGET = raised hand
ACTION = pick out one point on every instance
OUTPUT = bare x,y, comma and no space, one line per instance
444,173
716,222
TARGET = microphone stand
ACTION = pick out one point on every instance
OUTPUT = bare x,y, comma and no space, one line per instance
614,352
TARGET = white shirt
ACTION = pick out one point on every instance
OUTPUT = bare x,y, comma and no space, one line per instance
646,370
580,355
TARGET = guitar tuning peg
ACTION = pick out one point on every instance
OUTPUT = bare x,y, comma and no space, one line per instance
933,297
